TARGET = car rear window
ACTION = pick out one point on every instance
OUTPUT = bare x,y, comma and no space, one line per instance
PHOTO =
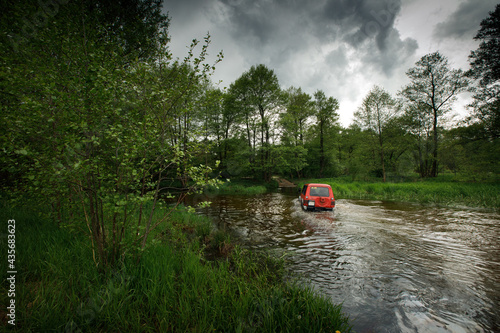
317,191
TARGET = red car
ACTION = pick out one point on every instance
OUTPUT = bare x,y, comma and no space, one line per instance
317,197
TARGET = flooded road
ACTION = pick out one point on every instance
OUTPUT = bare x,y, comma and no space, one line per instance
396,267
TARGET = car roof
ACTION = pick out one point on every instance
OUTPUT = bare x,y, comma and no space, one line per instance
317,184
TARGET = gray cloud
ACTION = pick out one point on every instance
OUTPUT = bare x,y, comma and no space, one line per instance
263,22
368,26
183,11
285,26
338,58
252,20
465,21
352,21
393,56
363,20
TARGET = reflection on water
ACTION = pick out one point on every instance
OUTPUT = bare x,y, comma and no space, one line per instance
396,267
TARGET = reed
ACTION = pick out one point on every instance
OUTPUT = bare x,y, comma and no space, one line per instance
173,288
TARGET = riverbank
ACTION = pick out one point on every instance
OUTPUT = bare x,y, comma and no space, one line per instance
437,191
440,191
243,186
190,278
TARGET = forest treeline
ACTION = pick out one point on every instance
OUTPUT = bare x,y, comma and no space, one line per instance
99,120
258,128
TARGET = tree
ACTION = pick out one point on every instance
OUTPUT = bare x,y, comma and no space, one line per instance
351,151
221,115
419,125
259,93
100,125
135,27
327,117
472,155
396,147
239,98
432,90
485,67
377,109
299,109
485,61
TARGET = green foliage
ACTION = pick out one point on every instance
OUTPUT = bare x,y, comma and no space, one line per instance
470,155
299,109
103,120
485,69
257,93
484,61
327,117
375,114
288,160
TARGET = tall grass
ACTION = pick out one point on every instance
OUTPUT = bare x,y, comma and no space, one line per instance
437,191
240,187
173,288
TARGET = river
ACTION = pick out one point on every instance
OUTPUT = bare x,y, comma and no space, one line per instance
396,267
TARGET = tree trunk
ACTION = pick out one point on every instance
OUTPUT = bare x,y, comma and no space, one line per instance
382,159
383,163
321,151
434,171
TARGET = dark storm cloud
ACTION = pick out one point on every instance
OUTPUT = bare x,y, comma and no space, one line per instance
282,26
394,55
184,10
465,21
368,26
364,19
352,21
261,20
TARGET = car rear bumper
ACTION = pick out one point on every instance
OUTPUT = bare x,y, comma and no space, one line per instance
319,209
312,205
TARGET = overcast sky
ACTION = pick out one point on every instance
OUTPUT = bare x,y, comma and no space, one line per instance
343,47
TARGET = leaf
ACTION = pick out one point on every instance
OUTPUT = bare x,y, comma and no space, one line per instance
21,152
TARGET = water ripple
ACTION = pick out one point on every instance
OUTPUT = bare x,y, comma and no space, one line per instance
396,267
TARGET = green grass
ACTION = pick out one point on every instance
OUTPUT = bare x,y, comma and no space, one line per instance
437,191
174,287
242,187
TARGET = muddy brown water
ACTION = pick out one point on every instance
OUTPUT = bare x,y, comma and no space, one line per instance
396,267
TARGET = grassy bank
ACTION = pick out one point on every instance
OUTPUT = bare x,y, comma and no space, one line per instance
242,186
174,288
439,191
